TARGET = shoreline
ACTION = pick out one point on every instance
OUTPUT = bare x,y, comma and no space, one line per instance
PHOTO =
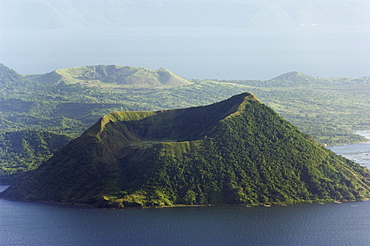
267,205
364,133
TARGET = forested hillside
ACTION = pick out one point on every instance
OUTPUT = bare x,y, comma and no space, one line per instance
328,109
238,151
26,149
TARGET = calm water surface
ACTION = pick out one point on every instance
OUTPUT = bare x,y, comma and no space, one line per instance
42,224
23,223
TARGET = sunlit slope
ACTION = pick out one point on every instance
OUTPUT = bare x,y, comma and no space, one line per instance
237,151
114,76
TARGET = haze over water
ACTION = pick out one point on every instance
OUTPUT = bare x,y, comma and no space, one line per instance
223,39
199,53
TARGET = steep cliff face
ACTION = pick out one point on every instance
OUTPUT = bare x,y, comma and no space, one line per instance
237,151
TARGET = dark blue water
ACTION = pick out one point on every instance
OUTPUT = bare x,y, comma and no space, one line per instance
25,223
309,224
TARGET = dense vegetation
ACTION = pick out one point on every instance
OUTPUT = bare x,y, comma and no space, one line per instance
238,151
24,150
68,101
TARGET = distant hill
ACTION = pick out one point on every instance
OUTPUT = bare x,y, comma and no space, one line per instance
112,76
237,151
293,76
294,79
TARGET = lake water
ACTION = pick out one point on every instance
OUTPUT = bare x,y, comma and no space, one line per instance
26,223
359,153
194,52
42,224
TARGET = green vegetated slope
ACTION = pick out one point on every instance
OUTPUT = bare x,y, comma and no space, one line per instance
24,150
112,76
238,151
68,101
328,109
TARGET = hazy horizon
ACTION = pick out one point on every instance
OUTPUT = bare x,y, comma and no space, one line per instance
195,39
